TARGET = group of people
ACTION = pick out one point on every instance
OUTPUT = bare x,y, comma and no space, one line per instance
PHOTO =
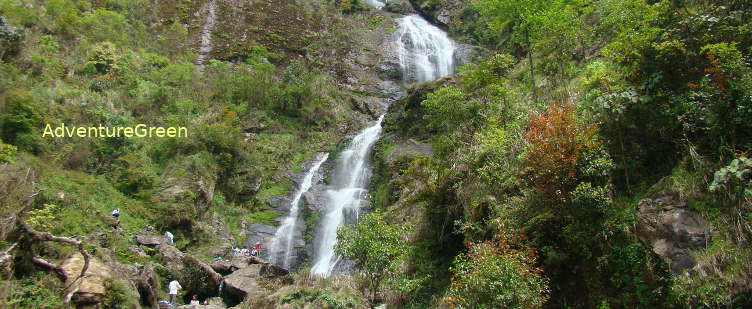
255,251
174,286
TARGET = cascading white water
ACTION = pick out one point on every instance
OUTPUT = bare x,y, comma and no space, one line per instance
425,51
375,3
349,181
281,247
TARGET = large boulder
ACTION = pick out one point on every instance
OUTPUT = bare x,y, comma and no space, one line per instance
149,239
87,291
228,266
246,281
399,6
243,282
671,230
194,275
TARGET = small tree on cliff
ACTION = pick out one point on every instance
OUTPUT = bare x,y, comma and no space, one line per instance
376,247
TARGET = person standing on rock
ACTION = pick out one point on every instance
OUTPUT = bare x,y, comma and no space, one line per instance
169,237
173,288
116,213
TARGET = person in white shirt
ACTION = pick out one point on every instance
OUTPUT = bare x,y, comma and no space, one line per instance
116,212
194,301
169,237
174,287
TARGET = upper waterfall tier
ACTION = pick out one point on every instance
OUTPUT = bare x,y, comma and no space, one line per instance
425,51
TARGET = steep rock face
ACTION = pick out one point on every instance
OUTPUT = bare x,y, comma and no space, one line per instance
405,116
88,291
670,229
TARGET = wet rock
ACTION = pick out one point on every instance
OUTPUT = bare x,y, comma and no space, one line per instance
262,233
670,229
464,54
228,266
88,290
388,66
408,148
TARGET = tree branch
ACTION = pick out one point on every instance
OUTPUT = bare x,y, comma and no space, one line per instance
47,265
45,236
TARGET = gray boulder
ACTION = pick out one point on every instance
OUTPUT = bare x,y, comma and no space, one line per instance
671,230
194,275
149,239
246,281
399,6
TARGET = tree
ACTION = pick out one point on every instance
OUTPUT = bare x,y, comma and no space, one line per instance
376,247
493,274
556,141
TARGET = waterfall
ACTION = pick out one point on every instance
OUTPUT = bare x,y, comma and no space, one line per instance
425,51
206,33
349,180
281,247
375,3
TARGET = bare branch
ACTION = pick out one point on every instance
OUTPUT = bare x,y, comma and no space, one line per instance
45,236
47,265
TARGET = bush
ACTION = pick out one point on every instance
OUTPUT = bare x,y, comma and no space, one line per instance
494,275
375,246
18,121
10,39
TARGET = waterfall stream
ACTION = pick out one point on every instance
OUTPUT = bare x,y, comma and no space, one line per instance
282,243
206,33
375,3
425,53
349,180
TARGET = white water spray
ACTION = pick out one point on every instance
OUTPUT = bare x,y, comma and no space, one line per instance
349,180
375,3
425,51
281,247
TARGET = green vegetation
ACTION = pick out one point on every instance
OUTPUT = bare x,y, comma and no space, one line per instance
255,110
376,248
539,153
542,152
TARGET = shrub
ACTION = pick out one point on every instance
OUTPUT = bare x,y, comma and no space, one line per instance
10,39
375,246
556,141
495,275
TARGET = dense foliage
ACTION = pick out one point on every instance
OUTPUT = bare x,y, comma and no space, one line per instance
586,108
